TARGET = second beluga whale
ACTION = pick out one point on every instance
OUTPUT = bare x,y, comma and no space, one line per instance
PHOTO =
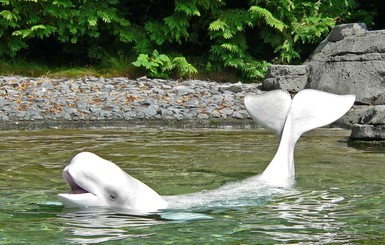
95,181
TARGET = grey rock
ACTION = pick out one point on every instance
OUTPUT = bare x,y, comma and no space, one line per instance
210,108
166,113
349,61
367,132
353,64
351,117
374,116
286,70
193,113
226,111
192,102
244,113
148,112
362,78
215,114
178,117
228,100
40,100
47,85
33,115
4,117
347,30
235,88
287,77
237,115
12,92
183,90
380,100
177,109
203,116
147,102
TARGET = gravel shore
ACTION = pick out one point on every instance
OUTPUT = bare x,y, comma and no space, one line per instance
86,102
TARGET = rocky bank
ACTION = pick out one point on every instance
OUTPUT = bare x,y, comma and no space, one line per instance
31,103
84,102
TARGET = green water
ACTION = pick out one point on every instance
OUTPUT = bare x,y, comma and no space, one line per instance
338,197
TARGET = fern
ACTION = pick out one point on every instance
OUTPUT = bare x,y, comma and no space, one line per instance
311,29
155,32
268,17
187,7
161,66
218,25
287,52
184,69
177,27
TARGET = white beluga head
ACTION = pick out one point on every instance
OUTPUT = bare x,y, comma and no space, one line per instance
95,181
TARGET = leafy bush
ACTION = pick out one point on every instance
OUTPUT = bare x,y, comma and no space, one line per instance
160,65
244,36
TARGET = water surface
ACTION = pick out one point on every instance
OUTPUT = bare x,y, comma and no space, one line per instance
338,196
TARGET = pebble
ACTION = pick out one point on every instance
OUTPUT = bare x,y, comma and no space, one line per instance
33,99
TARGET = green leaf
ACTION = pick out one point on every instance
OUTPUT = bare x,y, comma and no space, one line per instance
23,33
184,68
92,21
38,27
268,17
187,7
8,15
164,58
63,3
218,25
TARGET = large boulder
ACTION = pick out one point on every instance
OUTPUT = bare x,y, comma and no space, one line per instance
371,126
292,78
350,60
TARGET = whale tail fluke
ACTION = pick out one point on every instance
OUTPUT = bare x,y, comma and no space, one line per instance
290,118
269,109
312,109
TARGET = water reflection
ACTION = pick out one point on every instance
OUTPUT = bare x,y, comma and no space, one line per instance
95,225
295,217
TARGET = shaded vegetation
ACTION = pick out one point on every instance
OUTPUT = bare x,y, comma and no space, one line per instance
181,38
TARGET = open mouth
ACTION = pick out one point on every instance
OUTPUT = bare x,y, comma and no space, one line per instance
75,188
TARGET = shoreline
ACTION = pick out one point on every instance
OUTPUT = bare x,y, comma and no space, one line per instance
140,123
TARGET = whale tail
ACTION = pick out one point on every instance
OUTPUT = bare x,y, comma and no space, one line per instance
290,118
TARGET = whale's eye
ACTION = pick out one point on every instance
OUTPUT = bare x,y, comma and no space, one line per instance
113,196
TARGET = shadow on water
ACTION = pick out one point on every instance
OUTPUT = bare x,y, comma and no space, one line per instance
338,196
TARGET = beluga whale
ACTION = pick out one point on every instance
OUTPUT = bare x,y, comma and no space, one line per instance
96,182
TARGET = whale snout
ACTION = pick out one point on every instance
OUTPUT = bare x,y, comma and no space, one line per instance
75,188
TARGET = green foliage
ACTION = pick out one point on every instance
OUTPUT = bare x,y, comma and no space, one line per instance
69,22
157,64
182,67
160,65
241,36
